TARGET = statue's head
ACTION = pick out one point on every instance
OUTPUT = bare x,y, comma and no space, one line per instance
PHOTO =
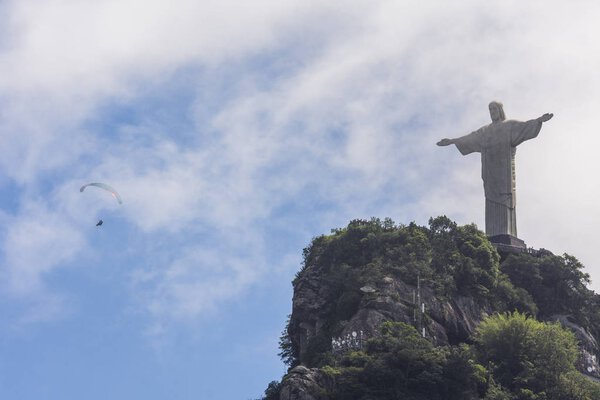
497,111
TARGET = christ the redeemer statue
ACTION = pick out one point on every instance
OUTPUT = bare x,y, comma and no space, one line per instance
497,143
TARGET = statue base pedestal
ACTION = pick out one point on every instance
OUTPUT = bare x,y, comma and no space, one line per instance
508,243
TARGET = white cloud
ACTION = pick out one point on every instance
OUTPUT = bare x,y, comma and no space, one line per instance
35,242
344,102
198,279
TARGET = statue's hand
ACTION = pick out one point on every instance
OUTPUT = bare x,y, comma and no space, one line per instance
445,142
546,117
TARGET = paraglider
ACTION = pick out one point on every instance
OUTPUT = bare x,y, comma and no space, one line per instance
104,186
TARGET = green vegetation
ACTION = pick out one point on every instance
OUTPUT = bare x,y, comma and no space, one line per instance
272,391
530,359
400,364
512,356
453,259
557,285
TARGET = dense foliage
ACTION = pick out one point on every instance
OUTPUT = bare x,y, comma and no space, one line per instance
454,258
400,364
557,285
529,359
513,356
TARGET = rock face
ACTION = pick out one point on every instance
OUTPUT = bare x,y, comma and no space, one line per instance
445,321
588,346
304,384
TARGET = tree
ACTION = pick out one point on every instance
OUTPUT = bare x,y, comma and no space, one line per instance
287,353
525,355
397,364
556,283
273,390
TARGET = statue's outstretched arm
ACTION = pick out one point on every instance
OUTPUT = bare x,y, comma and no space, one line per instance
445,142
545,117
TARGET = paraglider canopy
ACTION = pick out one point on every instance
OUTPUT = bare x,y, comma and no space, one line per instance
104,186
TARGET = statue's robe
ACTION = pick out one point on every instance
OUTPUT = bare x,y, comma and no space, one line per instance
497,144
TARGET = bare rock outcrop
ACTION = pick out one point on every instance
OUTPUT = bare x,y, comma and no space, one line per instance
303,383
444,320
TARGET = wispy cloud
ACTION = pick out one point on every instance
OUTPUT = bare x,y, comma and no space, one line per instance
37,240
338,106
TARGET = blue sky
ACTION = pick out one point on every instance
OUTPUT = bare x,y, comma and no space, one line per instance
235,132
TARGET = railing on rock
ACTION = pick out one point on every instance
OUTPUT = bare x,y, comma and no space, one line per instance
351,342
